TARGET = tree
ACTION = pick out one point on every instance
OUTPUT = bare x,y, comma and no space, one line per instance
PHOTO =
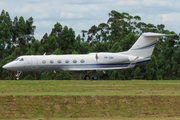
167,53
101,47
47,75
17,52
5,36
83,34
34,49
29,77
44,39
116,48
120,25
21,25
57,29
152,72
77,44
51,45
57,52
127,42
161,27
143,27
137,73
104,31
64,76
85,48
67,40
14,31
92,35
74,52
30,29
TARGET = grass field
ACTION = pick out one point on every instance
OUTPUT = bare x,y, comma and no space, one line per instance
85,100
109,118
103,88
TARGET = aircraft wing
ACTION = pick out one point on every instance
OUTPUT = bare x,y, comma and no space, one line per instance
132,64
97,69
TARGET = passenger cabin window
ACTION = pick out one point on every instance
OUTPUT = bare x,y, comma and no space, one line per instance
16,59
74,61
67,61
59,61
43,61
51,61
82,61
21,59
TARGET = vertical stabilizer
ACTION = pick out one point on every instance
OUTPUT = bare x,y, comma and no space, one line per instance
144,46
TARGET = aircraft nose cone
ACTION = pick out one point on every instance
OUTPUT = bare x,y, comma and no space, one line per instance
5,66
10,66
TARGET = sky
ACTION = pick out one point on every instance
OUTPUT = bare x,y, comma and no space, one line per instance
82,14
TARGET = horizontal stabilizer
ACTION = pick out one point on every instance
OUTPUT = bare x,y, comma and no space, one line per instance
149,34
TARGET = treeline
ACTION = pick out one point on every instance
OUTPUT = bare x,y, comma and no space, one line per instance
118,34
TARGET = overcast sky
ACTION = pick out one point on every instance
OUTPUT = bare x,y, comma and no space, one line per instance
82,14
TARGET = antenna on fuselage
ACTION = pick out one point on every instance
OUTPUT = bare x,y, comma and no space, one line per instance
44,54
96,57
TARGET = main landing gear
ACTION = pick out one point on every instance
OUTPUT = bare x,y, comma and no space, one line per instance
86,75
18,75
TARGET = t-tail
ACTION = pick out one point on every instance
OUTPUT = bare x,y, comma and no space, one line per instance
144,46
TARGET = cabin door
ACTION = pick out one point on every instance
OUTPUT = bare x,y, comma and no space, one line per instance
34,63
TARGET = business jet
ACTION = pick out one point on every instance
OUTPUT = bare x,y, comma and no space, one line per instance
89,63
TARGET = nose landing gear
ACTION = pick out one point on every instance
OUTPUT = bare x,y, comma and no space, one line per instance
18,75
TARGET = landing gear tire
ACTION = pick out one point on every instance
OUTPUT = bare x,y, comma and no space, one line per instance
95,78
86,77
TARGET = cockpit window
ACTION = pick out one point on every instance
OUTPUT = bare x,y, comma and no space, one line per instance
16,59
21,59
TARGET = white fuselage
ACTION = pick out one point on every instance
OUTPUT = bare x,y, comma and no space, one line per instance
75,62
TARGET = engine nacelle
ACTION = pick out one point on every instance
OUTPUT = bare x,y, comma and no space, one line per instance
111,58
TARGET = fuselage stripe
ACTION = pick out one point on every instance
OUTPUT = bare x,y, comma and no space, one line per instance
152,45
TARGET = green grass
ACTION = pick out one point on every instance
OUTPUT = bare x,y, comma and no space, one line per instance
85,100
107,118
103,88
89,106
